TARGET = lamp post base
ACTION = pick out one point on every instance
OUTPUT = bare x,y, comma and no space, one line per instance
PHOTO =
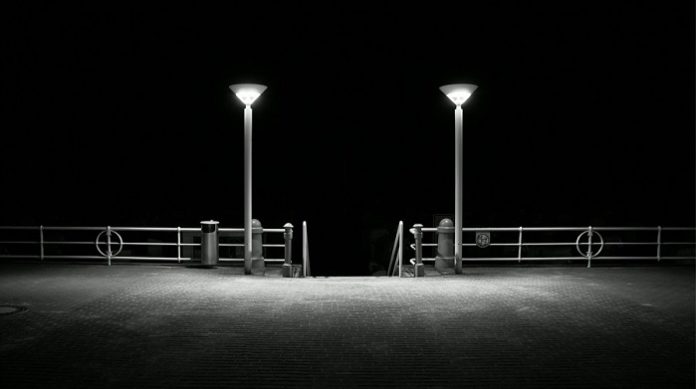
418,270
258,267
287,270
444,265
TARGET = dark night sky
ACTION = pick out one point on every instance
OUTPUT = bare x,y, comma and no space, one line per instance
121,115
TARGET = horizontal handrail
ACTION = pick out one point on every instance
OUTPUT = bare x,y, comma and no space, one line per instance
589,243
126,243
116,228
474,229
413,246
567,258
273,230
128,257
113,238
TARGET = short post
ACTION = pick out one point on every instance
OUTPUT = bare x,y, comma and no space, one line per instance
258,266
418,270
445,246
287,266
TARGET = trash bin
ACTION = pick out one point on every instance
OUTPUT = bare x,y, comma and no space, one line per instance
209,243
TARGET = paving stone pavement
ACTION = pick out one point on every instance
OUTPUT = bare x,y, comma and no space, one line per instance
170,326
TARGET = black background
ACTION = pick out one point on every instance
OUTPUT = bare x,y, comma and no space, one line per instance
120,114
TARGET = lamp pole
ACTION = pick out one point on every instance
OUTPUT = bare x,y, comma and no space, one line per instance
247,93
247,189
458,93
458,187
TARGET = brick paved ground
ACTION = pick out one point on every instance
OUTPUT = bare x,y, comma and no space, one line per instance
167,326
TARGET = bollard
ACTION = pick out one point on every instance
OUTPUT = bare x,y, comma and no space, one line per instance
418,269
258,266
445,245
209,243
287,266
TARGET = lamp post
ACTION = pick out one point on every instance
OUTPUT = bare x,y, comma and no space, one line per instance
247,93
458,93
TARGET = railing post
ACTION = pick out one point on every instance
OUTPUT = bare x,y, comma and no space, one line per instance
397,251
418,270
519,247
41,242
108,244
589,247
287,266
178,244
400,257
659,243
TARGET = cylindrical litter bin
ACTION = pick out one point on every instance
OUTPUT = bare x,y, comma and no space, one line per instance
209,243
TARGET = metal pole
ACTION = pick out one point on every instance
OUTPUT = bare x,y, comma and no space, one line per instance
304,249
247,189
401,246
458,145
305,252
394,257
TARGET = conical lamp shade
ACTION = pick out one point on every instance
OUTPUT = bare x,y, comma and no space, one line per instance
247,93
458,93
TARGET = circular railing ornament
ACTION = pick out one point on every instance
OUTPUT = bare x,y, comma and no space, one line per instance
589,254
120,243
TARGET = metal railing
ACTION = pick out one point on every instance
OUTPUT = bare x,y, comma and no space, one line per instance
585,248
397,254
40,247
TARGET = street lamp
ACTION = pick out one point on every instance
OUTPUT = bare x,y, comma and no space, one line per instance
458,93
247,93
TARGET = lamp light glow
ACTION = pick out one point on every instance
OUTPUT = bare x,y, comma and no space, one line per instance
458,93
247,93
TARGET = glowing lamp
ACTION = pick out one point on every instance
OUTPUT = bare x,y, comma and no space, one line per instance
458,93
247,93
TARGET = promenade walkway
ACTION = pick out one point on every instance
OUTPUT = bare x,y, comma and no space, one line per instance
173,326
